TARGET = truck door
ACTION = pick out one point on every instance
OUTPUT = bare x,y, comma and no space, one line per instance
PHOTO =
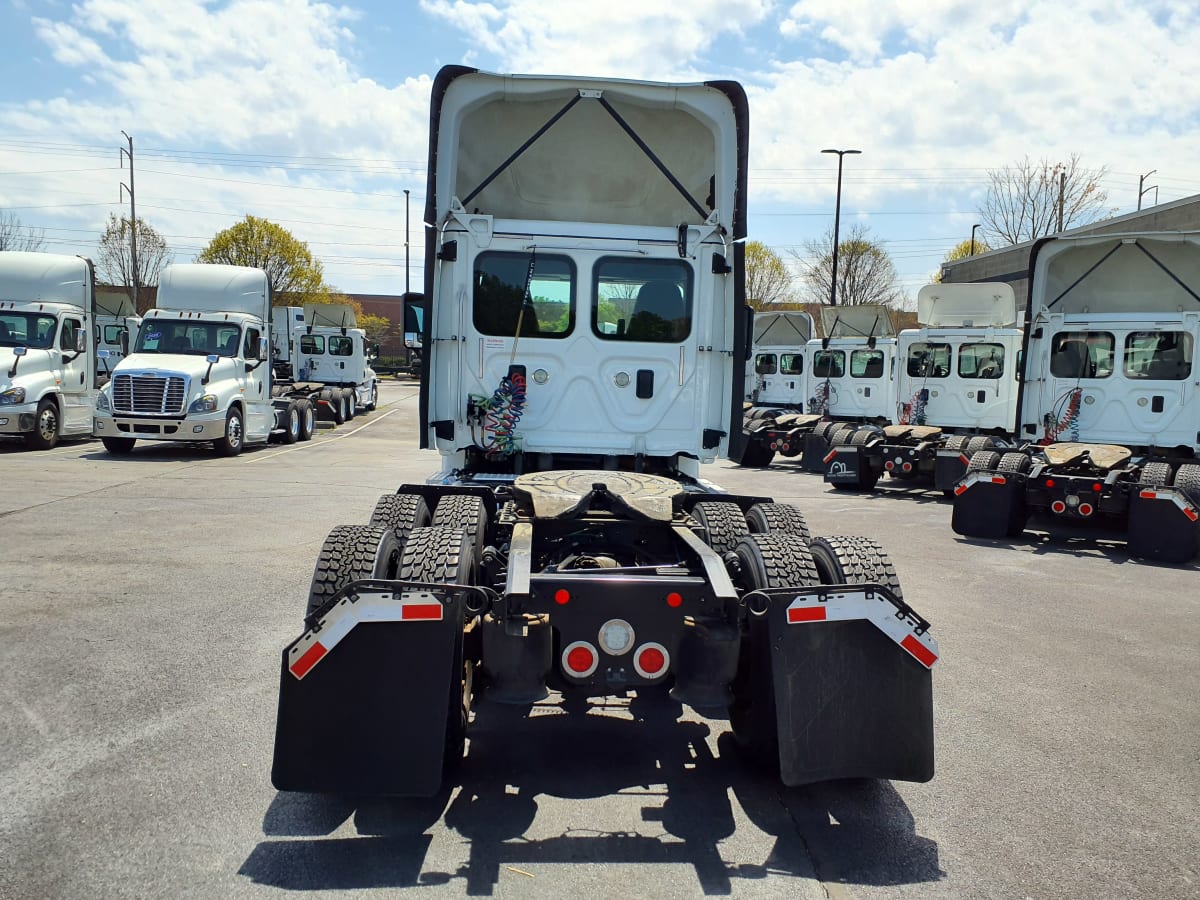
75,375
310,365
260,414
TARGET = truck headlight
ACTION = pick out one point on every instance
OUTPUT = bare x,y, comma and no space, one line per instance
207,403
102,402
12,396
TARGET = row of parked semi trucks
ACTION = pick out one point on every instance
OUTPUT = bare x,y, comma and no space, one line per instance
1088,415
213,362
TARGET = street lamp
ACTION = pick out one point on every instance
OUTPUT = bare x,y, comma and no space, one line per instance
837,214
973,227
1142,191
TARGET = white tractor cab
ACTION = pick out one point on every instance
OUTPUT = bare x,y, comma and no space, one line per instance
320,346
956,392
116,324
586,346
1109,399
199,368
777,378
850,379
47,347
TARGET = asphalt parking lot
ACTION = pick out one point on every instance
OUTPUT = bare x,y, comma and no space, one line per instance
144,601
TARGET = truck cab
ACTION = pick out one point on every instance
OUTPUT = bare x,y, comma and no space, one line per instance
47,347
777,377
198,370
851,369
320,343
116,327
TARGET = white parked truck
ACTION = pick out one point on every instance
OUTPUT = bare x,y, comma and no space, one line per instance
199,369
116,325
777,379
321,343
1109,403
956,393
47,347
586,344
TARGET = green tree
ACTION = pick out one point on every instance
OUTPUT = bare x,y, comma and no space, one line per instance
296,276
768,281
376,327
114,259
961,250
865,274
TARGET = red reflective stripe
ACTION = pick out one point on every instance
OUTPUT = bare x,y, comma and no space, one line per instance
1148,495
310,658
923,654
806,614
830,455
1191,514
420,611
999,479
966,460
958,490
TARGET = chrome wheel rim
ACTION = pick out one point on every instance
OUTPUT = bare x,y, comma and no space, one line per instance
47,424
234,431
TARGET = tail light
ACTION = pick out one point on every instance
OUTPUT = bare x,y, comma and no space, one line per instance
1058,507
579,660
651,660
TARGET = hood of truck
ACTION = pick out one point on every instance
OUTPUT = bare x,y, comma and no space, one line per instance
165,364
33,362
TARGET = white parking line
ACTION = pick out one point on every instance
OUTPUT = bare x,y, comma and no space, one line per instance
308,444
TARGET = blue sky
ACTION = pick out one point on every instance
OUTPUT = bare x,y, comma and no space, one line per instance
314,115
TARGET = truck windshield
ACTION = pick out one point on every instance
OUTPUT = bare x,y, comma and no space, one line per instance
190,337
26,330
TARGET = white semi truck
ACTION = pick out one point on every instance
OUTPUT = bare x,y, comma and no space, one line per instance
47,347
586,344
956,393
1109,409
199,370
322,343
116,325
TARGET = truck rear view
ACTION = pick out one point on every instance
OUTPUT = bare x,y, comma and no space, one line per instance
585,346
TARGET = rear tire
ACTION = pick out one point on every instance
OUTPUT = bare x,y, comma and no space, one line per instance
351,553
308,419
291,424
978,443
401,513
765,561
351,404
1014,463
1155,474
722,524
776,518
853,560
466,513
984,461
118,446
337,406
1187,482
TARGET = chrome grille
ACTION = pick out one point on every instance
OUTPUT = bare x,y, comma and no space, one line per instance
152,394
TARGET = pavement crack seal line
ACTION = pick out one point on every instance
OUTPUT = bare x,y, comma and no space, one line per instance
832,889
323,443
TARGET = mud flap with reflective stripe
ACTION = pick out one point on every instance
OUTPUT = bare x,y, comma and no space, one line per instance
1164,525
853,687
364,697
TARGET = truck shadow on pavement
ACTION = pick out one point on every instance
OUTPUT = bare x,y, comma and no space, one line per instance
669,803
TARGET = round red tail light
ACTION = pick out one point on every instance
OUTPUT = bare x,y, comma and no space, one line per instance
1058,507
1085,509
889,465
651,660
562,596
580,659
674,599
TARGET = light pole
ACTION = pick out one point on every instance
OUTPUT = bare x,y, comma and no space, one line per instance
406,242
1142,191
837,215
973,227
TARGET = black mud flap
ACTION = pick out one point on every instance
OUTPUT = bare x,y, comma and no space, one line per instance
1163,526
843,465
815,449
989,505
853,686
949,467
364,697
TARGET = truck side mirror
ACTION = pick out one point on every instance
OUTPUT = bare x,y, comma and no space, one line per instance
80,341
264,349
124,341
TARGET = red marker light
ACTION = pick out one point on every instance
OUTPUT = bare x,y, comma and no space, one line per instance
562,596
674,599
651,660
1049,482
1097,487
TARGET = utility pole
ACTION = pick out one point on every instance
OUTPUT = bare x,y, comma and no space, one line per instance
132,222
1062,197
837,215
1146,190
406,242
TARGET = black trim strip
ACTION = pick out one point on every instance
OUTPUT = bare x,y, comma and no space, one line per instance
654,159
525,146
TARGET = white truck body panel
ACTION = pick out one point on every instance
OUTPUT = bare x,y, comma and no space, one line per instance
971,375
1114,335
46,301
967,305
847,379
604,225
776,375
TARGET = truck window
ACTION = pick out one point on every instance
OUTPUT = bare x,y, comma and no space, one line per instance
981,360
642,300
866,364
764,364
251,348
829,364
112,334
1082,354
498,306
791,364
1161,355
312,344
66,339
929,360
341,345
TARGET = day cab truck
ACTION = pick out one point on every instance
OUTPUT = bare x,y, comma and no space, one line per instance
199,370
1108,409
321,343
851,372
586,343
776,382
47,347
116,324
956,393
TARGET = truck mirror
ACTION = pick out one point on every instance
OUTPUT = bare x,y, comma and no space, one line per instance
80,341
20,351
264,349
211,358
124,341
